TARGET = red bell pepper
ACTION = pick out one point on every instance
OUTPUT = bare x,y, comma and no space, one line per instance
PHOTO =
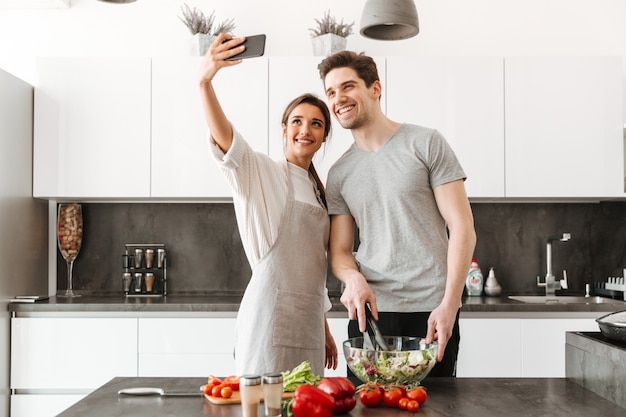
310,401
342,390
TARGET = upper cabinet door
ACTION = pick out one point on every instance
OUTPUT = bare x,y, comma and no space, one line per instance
291,77
92,128
182,166
564,127
461,97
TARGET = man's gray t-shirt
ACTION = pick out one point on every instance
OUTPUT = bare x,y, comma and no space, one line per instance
403,240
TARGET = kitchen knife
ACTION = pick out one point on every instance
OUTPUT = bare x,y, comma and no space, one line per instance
373,330
143,391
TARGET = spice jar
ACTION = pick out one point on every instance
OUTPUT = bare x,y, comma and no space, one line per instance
272,394
126,280
250,391
149,281
149,258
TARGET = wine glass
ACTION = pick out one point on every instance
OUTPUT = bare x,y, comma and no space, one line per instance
70,238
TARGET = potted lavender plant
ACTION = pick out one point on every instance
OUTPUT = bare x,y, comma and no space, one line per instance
203,28
329,35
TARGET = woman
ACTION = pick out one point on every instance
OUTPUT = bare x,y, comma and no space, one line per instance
284,226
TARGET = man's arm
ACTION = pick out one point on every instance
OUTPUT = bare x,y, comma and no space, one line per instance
455,209
357,292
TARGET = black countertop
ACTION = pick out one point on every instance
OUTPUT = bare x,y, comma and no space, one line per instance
458,397
228,303
599,337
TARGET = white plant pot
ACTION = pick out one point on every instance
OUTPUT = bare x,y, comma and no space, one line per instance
328,44
200,43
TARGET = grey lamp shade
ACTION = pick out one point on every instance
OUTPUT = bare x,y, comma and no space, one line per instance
389,20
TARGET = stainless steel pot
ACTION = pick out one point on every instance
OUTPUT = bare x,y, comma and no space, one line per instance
613,325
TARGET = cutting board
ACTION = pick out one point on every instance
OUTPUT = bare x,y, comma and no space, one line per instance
236,398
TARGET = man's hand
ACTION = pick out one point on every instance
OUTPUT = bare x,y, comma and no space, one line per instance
440,325
356,294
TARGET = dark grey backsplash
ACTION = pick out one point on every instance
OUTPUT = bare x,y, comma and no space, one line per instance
205,253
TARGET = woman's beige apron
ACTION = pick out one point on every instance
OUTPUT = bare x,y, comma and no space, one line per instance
280,322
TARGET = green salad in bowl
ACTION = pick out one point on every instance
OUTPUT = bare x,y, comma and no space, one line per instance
408,360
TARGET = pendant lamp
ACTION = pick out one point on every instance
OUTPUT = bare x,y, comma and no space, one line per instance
389,20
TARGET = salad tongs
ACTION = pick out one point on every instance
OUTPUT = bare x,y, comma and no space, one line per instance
373,338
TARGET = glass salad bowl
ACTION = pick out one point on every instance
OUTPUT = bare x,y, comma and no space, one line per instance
408,360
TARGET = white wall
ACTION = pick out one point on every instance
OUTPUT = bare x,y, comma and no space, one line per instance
448,27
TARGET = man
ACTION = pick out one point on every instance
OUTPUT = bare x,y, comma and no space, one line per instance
402,187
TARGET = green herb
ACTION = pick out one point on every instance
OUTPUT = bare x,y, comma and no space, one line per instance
301,374
197,22
328,24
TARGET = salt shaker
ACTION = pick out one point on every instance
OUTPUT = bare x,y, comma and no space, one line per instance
272,394
250,390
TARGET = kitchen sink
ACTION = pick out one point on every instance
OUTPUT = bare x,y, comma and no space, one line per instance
563,299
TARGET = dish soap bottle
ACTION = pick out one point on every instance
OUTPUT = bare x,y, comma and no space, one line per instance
492,287
474,282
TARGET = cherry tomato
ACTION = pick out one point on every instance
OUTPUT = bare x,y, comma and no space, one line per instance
371,395
207,388
402,404
392,397
217,391
418,394
226,392
412,406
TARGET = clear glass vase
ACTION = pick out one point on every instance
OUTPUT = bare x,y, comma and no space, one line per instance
70,239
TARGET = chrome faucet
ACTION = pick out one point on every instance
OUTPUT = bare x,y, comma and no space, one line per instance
550,282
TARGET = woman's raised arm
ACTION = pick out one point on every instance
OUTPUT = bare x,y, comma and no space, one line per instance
223,47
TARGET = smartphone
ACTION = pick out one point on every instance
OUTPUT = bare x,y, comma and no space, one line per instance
255,46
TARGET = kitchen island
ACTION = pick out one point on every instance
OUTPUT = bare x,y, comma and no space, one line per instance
174,336
458,397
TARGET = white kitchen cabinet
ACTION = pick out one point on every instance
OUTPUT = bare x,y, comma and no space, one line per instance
290,77
564,127
181,164
92,128
543,345
71,353
182,347
56,361
42,405
490,348
463,98
514,347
